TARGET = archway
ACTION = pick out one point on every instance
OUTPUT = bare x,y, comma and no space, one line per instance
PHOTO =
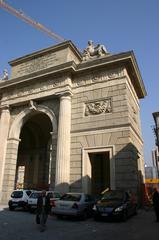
33,168
34,126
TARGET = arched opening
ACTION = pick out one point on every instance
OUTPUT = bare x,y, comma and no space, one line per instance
34,159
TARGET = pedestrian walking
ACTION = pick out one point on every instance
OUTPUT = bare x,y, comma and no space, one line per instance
43,209
155,200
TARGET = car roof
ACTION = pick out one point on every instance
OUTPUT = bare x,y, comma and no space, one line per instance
36,191
52,192
80,193
23,190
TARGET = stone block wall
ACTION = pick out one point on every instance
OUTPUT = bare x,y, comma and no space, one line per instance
111,128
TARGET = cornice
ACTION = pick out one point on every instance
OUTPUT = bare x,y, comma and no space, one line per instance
126,60
66,67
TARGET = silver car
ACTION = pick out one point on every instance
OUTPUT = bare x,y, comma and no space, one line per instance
74,204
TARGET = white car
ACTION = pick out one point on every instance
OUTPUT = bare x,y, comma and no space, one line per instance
18,199
32,201
33,198
74,204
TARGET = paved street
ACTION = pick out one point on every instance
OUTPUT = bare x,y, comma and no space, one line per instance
19,225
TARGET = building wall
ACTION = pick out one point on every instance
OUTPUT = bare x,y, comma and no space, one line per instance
105,114
107,129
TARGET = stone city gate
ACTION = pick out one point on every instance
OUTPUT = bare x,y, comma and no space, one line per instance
71,121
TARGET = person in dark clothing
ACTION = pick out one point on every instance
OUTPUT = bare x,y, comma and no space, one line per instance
43,209
155,200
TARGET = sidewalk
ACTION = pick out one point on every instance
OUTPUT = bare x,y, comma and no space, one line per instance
2,207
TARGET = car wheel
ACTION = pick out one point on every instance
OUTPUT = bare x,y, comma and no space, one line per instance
96,218
135,211
31,210
124,216
84,215
11,208
25,208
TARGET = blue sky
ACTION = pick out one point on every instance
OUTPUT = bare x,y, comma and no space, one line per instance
121,25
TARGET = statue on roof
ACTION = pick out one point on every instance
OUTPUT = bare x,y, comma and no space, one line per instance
5,74
92,51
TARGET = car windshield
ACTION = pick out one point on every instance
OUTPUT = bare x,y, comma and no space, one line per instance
112,195
53,195
57,195
71,197
50,194
17,194
35,195
28,192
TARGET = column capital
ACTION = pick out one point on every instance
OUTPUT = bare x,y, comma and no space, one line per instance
15,140
4,108
65,93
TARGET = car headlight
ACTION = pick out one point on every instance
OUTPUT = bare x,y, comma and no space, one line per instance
119,209
94,208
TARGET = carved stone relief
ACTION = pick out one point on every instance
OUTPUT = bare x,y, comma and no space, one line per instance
36,88
99,77
98,107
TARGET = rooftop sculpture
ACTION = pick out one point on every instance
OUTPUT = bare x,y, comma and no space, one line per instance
94,51
5,74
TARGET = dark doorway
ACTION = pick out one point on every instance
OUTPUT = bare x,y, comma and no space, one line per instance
100,173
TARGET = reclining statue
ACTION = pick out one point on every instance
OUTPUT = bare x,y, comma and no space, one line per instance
92,51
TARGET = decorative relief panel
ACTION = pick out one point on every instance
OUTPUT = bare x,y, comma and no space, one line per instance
36,88
98,107
100,76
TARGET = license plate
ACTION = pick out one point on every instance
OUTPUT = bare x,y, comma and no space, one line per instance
63,206
34,206
104,214
14,204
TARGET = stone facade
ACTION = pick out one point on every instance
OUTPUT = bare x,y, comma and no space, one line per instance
75,110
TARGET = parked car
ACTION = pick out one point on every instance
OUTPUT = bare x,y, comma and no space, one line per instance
54,196
32,200
74,204
116,204
19,198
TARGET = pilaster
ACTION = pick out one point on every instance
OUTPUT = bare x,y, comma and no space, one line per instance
4,129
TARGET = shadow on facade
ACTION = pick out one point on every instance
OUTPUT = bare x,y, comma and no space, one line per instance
128,174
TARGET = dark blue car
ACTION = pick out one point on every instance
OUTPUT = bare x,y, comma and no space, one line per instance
115,204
